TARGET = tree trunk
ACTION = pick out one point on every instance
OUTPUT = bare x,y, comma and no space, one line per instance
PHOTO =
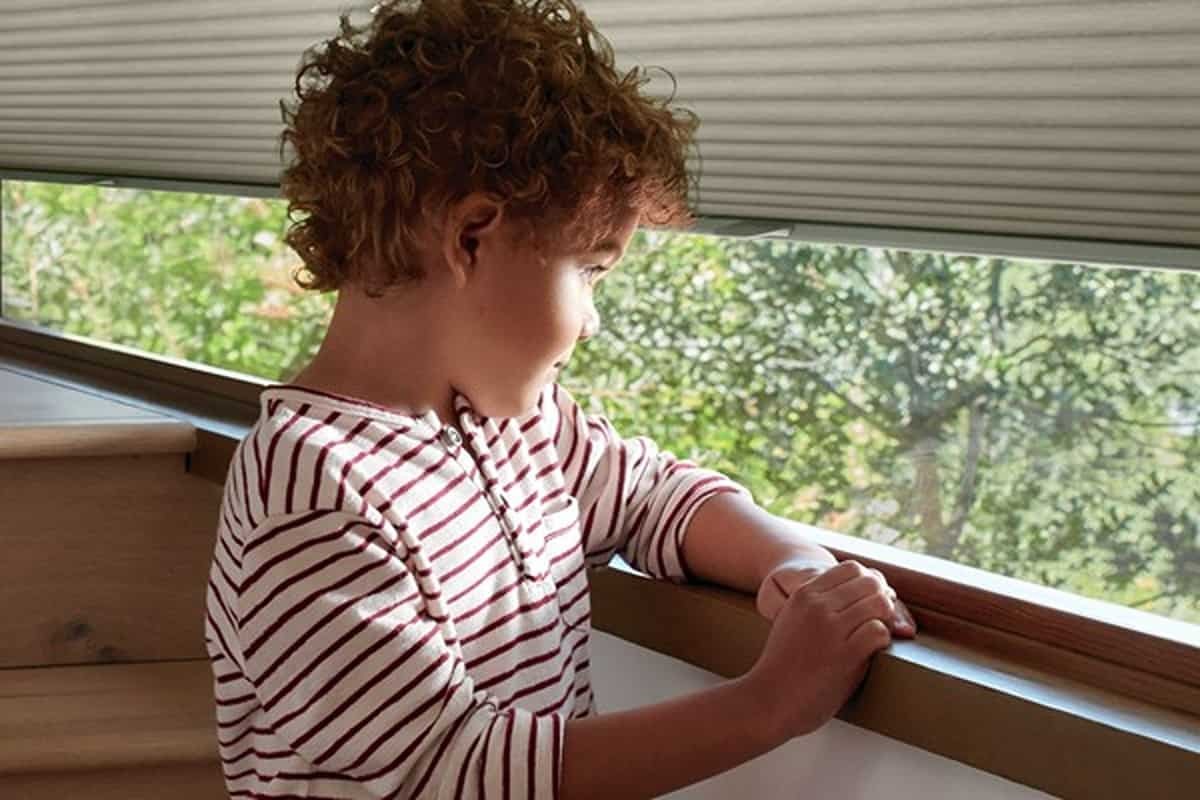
927,493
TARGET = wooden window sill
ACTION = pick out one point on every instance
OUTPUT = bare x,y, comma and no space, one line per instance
42,419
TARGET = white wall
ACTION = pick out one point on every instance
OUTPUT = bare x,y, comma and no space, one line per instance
839,761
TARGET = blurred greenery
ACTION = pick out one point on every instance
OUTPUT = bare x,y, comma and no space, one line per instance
1032,419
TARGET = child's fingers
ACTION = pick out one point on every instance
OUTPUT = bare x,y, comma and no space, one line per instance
835,576
869,638
870,606
904,625
852,591
902,622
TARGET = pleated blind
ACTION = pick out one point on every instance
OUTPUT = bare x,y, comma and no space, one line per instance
1076,120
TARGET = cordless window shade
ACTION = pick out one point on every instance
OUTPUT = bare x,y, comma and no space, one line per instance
1076,120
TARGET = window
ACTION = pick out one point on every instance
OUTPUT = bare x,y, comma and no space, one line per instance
1033,419
206,278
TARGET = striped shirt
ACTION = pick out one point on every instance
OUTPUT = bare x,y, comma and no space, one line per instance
396,609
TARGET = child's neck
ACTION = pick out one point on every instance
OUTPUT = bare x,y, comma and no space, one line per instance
386,353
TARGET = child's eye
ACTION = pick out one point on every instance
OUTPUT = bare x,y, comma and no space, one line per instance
593,272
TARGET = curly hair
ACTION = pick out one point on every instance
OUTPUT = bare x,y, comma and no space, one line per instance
435,99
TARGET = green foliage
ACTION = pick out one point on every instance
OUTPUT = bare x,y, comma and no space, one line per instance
1031,419
198,277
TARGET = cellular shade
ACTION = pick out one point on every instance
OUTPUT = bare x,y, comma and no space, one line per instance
1076,120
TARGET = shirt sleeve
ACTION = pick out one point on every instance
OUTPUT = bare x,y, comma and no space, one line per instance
634,499
354,672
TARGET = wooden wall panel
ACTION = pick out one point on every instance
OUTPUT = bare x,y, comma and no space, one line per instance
103,559
165,782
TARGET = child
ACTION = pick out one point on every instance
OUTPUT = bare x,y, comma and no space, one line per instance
398,604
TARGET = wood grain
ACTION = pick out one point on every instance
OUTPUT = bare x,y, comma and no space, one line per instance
114,730
167,782
105,559
1066,663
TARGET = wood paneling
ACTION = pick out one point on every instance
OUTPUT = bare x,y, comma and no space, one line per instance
105,559
168,782
106,716
114,731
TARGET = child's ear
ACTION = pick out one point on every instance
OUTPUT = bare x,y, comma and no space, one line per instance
471,233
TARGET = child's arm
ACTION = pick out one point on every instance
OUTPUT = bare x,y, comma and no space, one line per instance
733,542
675,520
634,499
815,656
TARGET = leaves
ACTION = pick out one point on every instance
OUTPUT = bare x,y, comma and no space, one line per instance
199,277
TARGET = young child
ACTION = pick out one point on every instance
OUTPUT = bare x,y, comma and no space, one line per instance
398,604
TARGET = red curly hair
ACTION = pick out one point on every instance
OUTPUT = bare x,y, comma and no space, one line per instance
435,99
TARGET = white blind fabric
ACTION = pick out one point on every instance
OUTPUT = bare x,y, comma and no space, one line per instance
1076,119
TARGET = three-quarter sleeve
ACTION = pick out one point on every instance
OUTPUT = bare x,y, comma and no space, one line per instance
356,675
634,499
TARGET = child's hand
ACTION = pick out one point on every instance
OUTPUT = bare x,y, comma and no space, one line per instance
791,575
820,646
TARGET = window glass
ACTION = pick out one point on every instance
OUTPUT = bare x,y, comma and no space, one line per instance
1039,420
205,278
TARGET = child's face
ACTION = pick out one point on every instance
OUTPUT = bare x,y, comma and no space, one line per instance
527,312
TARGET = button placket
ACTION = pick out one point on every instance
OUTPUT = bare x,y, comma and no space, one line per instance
509,523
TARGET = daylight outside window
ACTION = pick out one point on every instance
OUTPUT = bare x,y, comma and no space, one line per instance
1033,419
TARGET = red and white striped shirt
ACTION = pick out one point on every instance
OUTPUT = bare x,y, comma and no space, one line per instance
394,611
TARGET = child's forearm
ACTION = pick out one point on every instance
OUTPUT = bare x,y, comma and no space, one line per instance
733,542
649,751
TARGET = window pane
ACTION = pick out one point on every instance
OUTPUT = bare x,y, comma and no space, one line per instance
1033,419
205,278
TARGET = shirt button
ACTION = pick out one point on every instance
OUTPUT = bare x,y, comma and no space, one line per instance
451,437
